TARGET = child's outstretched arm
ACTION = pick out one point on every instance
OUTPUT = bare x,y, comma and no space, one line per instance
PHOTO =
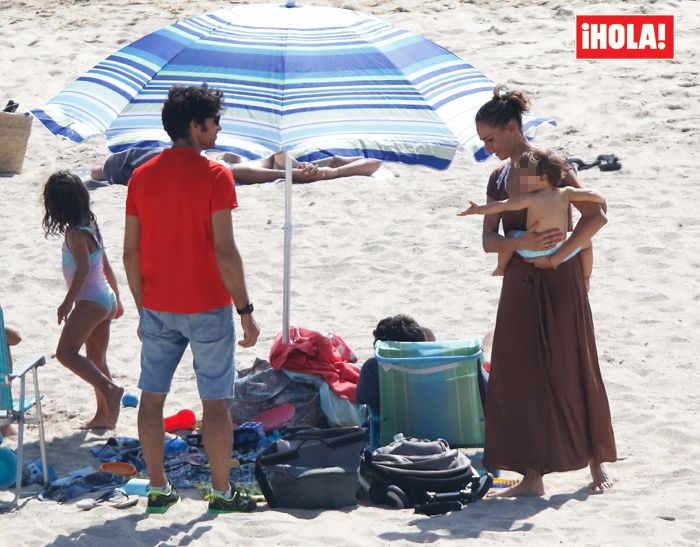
577,195
512,204
77,242
112,280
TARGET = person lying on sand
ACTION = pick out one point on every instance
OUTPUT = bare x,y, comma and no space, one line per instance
118,167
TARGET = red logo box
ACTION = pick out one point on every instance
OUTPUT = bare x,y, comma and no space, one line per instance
625,36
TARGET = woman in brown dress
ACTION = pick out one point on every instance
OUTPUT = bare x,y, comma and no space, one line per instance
547,409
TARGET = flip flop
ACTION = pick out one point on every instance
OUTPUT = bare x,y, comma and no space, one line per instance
116,498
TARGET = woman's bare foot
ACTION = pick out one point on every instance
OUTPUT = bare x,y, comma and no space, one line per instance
530,486
498,272
602,480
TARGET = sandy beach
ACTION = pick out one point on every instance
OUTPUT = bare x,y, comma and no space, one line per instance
365,248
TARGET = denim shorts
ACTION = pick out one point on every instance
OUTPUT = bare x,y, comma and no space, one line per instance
212,338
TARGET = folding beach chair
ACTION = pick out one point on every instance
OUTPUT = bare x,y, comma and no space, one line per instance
15,410
430,390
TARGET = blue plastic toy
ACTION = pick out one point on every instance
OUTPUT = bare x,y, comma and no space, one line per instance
130,400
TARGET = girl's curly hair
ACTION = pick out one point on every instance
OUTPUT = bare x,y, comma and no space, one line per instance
66,203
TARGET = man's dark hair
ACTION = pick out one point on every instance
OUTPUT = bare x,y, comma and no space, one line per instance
187,104
399,328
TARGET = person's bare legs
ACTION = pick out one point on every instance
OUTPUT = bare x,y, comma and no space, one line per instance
349,167
530,486
586,253
152,435
78,327
217,433
13,338
602,480
96,350
503,259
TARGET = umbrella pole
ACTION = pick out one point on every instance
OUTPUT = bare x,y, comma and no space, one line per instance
286,288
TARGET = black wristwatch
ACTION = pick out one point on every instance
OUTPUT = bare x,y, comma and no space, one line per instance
246,309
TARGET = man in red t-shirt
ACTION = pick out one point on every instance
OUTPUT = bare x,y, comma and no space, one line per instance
183,268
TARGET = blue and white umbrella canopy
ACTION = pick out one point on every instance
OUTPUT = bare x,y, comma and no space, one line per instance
310,81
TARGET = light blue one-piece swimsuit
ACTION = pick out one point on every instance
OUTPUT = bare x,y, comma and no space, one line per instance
96,287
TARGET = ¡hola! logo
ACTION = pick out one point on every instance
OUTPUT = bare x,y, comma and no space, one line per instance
624,37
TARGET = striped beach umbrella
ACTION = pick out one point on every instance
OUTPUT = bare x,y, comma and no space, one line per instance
310,81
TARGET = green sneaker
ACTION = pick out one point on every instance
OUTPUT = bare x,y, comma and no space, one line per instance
237,503
160,501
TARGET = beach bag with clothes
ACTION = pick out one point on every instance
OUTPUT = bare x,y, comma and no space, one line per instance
312,468
427,475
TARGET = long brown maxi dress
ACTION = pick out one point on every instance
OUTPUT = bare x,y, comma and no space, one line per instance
546,407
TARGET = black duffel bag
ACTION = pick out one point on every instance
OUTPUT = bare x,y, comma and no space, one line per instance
312,468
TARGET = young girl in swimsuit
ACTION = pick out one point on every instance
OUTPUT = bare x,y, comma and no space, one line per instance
92,300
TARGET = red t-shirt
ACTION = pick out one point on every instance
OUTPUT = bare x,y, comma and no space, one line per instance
174,195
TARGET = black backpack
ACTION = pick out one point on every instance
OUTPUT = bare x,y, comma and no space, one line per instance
427,475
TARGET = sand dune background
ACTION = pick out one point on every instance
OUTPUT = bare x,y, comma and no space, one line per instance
366,248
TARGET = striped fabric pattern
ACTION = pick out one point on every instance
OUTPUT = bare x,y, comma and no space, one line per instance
311,81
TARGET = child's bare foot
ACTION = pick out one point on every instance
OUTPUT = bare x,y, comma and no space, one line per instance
114,404
602,480
530,486
499,271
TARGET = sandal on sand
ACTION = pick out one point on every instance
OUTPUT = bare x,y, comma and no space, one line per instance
608,162
605,162
116,498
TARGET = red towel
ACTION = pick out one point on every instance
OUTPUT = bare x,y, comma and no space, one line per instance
311,352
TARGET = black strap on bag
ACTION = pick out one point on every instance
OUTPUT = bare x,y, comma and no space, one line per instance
275,458
433,508
264,484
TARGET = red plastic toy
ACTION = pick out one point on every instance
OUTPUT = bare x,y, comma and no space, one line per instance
185,419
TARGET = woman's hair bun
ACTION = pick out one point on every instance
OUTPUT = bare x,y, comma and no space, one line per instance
520,98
